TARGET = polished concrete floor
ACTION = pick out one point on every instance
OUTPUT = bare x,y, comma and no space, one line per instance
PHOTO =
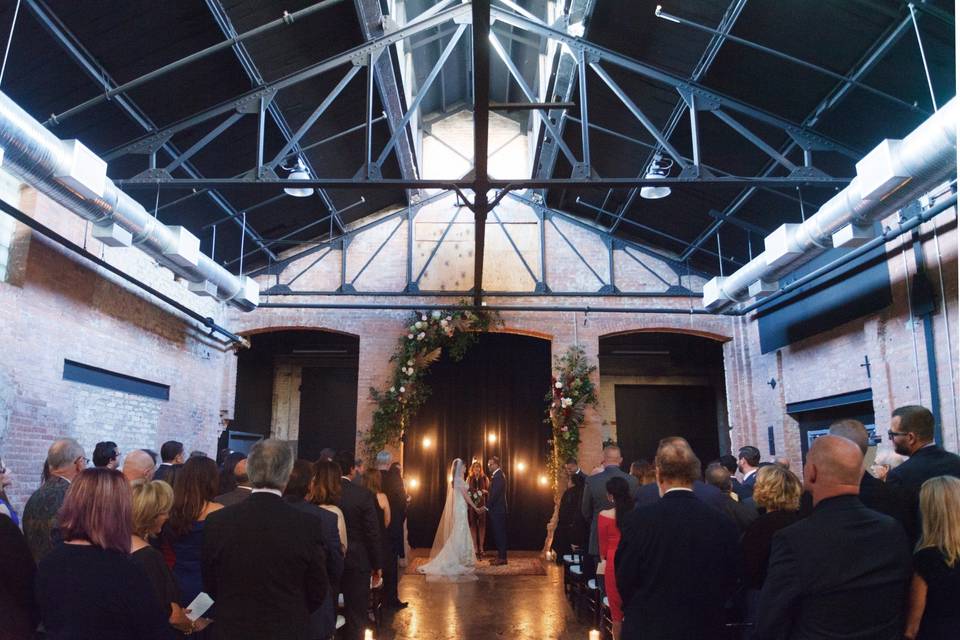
508,607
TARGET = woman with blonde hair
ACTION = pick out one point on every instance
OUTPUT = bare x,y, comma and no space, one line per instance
932,611
151,509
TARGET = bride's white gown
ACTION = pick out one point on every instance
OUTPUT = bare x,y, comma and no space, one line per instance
456,555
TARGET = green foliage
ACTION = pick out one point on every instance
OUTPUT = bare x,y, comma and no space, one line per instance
428,334
571,392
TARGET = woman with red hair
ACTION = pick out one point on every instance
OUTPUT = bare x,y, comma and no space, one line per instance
87,587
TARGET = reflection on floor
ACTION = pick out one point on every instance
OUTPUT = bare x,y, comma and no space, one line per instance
514,607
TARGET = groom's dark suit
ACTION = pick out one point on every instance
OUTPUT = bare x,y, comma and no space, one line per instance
497,511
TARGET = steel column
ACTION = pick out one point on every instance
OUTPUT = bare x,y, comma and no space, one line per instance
482,37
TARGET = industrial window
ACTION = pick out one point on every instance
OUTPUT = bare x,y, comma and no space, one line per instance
97,377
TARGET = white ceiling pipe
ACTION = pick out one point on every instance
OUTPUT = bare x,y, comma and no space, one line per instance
71,175
891,176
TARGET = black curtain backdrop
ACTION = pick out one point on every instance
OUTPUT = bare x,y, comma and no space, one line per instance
498,388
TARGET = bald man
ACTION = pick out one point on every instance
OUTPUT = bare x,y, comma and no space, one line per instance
243,489
843,571
138,466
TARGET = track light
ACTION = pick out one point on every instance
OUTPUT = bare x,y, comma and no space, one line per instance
659,169
299,172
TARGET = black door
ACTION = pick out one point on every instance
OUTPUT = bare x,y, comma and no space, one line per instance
328,410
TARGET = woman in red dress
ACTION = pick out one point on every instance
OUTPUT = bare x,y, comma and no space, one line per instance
478,485
608,537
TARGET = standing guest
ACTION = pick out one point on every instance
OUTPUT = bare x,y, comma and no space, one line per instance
361,467
399,499
18,610
327,454
741,514
153,456
362,561
242,487
911,431
171,455
323,621
196,453
874,494
729,463
182,535
106,455
88,587
263,561
371,482
325,490
842,558
885,461
678,558
748,462
595,499
643,471
6,508
608,539
478,487
650,493
228,478
932,613
392,486
783,462
152,501
571,525
65,460
572,467
138,467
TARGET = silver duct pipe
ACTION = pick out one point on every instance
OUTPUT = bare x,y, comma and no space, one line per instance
888,178
74,177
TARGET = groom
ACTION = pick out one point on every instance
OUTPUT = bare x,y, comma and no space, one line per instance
497,509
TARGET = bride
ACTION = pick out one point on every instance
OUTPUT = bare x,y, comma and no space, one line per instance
453,556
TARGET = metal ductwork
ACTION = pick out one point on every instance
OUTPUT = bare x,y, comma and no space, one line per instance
73,176
888,178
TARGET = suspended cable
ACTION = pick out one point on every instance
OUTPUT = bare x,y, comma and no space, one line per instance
6,52
923,56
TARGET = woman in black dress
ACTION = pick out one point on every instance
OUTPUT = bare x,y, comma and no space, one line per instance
89,587
571,526
933,612
151,508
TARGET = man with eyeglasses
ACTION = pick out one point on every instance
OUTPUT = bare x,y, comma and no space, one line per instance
65,459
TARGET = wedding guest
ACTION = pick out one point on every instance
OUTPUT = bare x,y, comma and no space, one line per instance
729,463
371,482
6,508
65,460
609,522
885,461
572,467
88,587
478,487
643,472
777,491
18,610
571,525
748,462
650,493
241,489
138,467
932,612
325,490
153,456
595,499
362,562
392,486
842,558
326,454
106,455
399,499
678,558
263,561
228,479
171,456
182,535
741,514
152,501
323,621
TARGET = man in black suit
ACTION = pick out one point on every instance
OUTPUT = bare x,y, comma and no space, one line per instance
392,485
242,491
363,547
678,558
263,562
729,463
595,500
572,467
911,430
843,571
741,514
497,509
874,494
748,461
171,455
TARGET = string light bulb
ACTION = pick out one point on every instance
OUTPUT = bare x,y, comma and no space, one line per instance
413,483
542,480
427,442
492,438
521,466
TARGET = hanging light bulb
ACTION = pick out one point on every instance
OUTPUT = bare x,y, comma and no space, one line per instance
299,172
659,169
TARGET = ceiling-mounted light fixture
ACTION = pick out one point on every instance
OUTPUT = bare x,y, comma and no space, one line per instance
659,169
299,172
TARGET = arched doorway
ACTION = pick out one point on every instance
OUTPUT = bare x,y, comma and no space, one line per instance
299,386
497,390
659,384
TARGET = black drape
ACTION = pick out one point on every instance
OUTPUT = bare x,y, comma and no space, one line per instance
498,388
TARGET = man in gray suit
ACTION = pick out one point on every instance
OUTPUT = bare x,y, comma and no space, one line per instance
595,499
